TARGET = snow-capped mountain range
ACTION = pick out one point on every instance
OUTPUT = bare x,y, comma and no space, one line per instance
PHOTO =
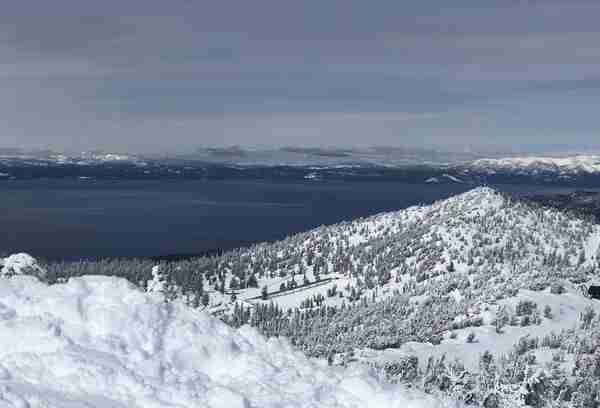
36,158
561,166
309,164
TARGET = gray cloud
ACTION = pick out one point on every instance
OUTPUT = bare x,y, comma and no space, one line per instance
157,75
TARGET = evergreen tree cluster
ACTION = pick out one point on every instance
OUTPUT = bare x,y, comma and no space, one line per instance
515,379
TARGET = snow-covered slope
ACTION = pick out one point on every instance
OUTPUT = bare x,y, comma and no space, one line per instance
564,312
531,165
478,233
100,342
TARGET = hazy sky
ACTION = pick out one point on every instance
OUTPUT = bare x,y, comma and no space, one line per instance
145,75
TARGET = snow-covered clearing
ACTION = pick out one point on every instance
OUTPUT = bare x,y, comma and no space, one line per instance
566,309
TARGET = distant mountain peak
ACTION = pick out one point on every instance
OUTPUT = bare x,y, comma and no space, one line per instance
565,165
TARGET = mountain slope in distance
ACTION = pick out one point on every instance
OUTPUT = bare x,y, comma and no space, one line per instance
481,231
532,164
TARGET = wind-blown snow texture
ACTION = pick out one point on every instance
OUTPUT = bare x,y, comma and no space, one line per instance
100,342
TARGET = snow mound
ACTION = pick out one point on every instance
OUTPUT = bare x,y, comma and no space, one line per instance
100,342
21,264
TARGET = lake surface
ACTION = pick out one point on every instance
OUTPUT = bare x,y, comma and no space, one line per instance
71,219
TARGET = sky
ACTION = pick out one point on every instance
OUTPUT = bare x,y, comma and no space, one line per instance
158,76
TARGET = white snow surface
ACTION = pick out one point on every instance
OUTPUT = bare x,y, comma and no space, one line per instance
20,264
100,342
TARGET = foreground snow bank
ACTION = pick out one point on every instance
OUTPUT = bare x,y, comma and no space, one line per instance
100,342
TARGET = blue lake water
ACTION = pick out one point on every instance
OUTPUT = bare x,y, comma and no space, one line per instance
70,219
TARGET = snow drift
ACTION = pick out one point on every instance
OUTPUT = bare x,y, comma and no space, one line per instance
21,264
100,342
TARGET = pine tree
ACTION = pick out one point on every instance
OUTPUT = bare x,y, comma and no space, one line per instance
548,312
501,319
252,282
264,293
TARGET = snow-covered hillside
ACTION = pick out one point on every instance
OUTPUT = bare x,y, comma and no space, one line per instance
553,313
479,277
475,235
100,342
532,165
481,242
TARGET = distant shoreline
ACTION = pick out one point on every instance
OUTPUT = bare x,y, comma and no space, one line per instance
174,257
